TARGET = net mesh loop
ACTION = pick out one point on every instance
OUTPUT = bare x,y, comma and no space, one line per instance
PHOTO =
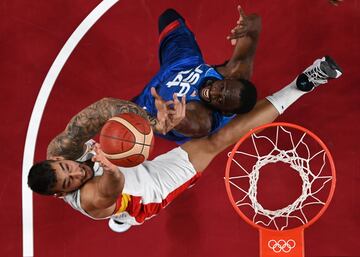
300,163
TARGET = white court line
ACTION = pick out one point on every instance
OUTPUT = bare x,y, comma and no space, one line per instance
36,115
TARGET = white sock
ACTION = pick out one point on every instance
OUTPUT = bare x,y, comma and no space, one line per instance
285,97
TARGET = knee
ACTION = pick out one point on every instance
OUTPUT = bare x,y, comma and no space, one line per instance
167,17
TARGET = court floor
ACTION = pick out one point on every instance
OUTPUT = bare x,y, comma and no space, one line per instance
116,58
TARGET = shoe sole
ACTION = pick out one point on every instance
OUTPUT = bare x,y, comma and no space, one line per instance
332,68
114,226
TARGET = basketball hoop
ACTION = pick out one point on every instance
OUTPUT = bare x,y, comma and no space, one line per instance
294,148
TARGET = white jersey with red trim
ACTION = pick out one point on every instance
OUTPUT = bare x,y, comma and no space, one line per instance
148,188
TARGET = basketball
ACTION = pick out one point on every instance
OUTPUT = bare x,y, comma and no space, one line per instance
127,140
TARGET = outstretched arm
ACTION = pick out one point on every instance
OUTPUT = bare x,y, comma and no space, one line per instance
86,124
245,38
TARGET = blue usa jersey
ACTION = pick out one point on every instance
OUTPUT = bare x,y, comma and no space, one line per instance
183,72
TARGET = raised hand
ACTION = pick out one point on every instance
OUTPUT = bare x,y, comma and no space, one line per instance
163,111
177,113
241,28
102,160
168,117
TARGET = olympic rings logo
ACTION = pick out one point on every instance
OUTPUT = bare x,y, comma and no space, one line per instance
281,245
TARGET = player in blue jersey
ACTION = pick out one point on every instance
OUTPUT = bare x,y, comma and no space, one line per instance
213,93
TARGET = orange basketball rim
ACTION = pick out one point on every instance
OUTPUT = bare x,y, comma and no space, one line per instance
281,229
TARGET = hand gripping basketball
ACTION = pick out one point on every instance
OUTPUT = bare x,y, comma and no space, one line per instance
102,160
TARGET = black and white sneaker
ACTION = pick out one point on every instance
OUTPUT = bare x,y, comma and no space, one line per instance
318,73
117,226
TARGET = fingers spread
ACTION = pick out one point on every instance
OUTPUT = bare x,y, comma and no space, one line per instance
241,13
241,27
154,93
175,97
170,102
183,100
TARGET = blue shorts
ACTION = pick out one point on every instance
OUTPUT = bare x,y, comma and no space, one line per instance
178,45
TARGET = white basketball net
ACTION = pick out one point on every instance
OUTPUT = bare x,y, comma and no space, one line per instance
280,219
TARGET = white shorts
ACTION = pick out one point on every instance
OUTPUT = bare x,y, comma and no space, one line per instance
151,186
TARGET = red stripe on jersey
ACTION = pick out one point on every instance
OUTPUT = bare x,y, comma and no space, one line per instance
173,25
142,211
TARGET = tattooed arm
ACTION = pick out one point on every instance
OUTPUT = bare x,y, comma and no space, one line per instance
87,123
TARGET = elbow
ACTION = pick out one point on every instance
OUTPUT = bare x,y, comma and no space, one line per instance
105,100
102,102
193,129
255,18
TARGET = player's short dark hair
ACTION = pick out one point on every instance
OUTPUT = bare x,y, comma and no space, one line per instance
42,178
248,97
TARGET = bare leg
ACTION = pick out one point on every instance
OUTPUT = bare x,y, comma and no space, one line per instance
202,151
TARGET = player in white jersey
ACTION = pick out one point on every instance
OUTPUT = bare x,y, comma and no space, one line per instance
133,195
148,187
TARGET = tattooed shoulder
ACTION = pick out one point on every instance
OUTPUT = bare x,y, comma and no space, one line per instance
86,124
